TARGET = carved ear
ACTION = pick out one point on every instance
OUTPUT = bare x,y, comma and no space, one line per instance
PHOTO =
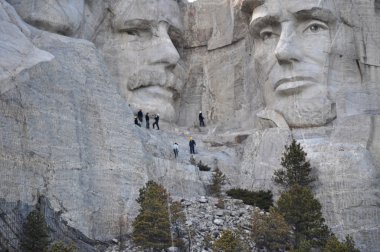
249,5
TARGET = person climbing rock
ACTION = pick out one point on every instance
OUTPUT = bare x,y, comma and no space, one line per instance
175,150
192,145
140,115
147,120
137,122
201,120
156,119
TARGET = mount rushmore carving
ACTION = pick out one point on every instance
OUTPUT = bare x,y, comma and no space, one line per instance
73,72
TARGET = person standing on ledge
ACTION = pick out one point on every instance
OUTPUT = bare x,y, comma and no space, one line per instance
147,120
156,119
201,120
192,145
140,115
137,122
175,150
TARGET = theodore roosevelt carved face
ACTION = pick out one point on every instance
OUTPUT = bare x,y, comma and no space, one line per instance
143,55
292,41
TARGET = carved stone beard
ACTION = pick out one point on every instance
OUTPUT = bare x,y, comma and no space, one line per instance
310,112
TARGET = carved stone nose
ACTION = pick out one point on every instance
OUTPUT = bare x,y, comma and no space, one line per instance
287,50
164,50
286,53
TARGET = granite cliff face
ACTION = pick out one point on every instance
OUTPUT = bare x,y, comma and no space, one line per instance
69,89
62,121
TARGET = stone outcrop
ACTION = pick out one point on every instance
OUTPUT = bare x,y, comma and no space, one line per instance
18,51
56,131
53,16
206,222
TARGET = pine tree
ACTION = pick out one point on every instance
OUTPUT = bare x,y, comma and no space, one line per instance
178,219
218,179
296,168
35,233
228,242
60,246
334,245
301,210
304,246
271,230
152,225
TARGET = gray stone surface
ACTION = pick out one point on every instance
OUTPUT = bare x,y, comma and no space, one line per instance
69,135
59,16
59,118
67,131
18,52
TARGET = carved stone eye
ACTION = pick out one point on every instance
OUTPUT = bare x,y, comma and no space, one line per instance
266,35
314,28
133,32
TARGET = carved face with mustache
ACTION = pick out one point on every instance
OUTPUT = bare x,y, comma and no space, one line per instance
142,48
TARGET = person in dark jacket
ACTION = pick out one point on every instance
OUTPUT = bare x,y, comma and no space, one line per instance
175,150
201,119
147,120
192,145
156,119
140,115
137,122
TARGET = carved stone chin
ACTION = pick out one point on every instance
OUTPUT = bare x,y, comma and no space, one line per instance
307,112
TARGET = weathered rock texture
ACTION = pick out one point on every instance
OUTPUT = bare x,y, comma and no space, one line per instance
64,17
69,135
67,131
58,139
217,51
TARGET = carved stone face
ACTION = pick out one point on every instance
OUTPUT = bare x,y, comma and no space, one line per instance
142,50
58,16
292,45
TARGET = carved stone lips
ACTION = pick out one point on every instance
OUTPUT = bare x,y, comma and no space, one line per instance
292,83
158,92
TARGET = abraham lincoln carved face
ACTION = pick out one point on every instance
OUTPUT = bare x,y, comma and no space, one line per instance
292,47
